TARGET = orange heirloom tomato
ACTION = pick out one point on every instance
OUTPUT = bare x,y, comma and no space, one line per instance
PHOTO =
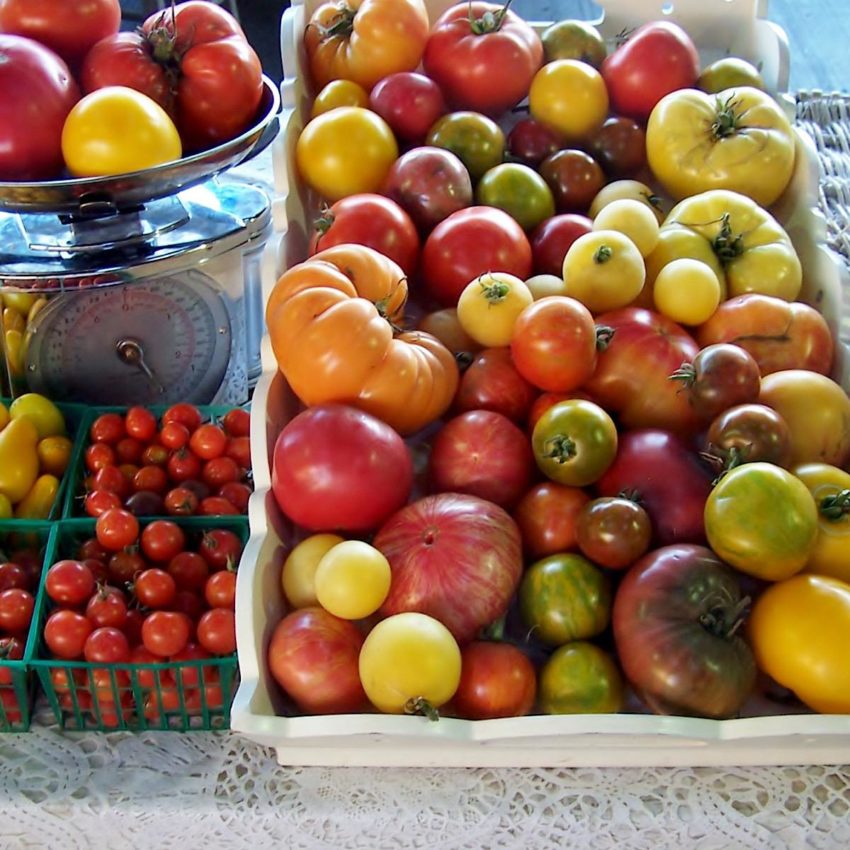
799,630
365,40
330,320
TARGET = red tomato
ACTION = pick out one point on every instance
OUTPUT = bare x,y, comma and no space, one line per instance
123,566
116,528
189,570
219,81
220,548
492,382
410,103
632,377
140,423
180,501
469,243
496,680
13,575
220,470
111,478
656,59
373,220
107,607
482,56
338,468
547,515
208,441
11,649
314,656
100,501
129,450
183,465
161,540
554,344
220,589
174,435
237,422
531,142
106,645
165,633
49,23
237,493
481,453
151,478
551,240
36,94
217,631
155,588
98,455
65,633
69,582
16,607
217,506
184,413
239,448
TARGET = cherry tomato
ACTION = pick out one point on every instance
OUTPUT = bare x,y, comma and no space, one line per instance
174,435
237,493
151,478
107,428
69,582
100,501
16,607
161,540
140,423
99,455
220,589
13,575
65,633
155,588
116,528
217,506
239,448
165,633
220,470
107,607
613,531
191,676
184,413
111,478
217,631
154,455
237,422
181,501
221,548
106,646
183,465
123,566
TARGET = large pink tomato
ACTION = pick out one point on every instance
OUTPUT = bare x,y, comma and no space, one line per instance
454,557
37,92
337,468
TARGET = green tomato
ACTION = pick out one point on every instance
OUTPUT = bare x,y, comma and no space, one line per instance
727,73
475,139
564,597
572,39
580,678
574,442
762,520
518,190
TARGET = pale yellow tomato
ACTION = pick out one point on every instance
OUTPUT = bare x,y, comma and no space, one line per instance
117,130
489,305
686,291
41,411
570,97
604,270
352,580
544,285
409,664
299,569
339,93
630,189
633,218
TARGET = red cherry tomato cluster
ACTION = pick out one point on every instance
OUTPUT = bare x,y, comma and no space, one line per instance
179,465
146,594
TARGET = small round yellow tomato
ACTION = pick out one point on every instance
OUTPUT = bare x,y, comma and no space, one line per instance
544,285
352,580
489,305
580,678
54,454
604,270
41,411
817,411
799,630
677,243
634,219
339,93
409,663
299,569
628,189
569,97
345,151
686,291
117,130
830,487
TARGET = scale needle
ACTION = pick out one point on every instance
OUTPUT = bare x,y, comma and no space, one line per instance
130,351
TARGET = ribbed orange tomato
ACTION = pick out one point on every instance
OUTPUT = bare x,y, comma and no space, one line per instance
332,323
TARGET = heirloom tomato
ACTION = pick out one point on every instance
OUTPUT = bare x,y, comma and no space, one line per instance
445,326
799,630
830,487
564,597
574,177
613,531
762,520
574,442
313,656
627,188
352,580
728,72
738,139
488,307
339,93
338,468
37,92
455,557
754,250
631,218
518,190
580,678
569,97
298,577
547,517
483,56
530,142
496,680
551,240
365,40
749,432
676,620
686,291
619,146
410,664
410,103
817,411
656,59
478,141
492,382
554,344
574,39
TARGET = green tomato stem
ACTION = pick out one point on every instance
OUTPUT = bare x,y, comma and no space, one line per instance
489,21
420,705
560,448
835,507
603,254
494,292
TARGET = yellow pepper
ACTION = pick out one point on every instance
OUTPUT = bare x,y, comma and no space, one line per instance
38,502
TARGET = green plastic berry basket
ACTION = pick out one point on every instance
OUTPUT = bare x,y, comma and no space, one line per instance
188,695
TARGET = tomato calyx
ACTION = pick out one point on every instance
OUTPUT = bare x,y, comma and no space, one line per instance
341,25
631,494
489,21
686,373
495,291
722,461
719,619
325,220
604,335
423,707
727,118
603,254
836,506
726,245
561,448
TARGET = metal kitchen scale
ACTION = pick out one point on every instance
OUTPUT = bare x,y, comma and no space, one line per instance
144,288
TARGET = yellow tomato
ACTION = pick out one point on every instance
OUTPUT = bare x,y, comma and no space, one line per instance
20,301
18,459
677,243
409,663
489,305
604,270
738,139
352,580
570,97
117,130
830,488
4,416
799,630
817,411
298,578
686,291
41,411
544,285
13,320
54,454
345,151
339,93
750,244
39,500
628,189
632,218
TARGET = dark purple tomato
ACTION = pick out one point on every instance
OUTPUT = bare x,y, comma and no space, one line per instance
574,177
747,433
531,142
613,531
619,146
551,240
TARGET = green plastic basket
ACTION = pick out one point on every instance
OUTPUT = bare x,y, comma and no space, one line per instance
75,418
179,696
74,494
17,677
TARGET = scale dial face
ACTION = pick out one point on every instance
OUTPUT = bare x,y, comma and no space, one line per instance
158,341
